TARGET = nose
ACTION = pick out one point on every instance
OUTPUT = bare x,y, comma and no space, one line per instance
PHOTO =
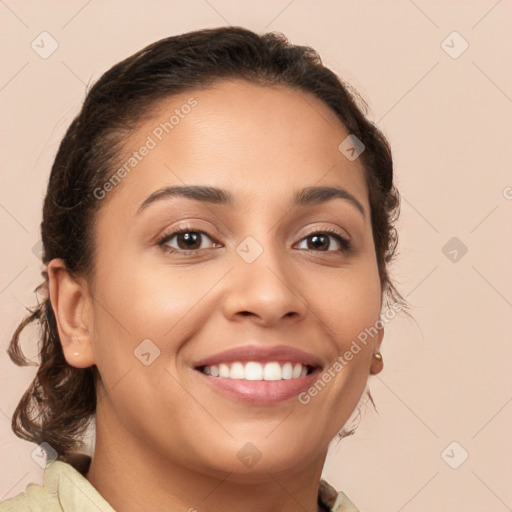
263,285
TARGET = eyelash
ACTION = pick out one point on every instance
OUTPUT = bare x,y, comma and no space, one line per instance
345,244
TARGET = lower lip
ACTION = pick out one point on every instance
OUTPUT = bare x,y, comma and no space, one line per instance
261,391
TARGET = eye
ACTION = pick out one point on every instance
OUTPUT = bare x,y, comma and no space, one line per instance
188,240
320,240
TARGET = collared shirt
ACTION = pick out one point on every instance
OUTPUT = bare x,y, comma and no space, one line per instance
66,489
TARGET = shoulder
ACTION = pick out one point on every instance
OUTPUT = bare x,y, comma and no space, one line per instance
64,489
37,498
334,501
18,503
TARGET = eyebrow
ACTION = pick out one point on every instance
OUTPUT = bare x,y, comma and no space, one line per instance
214,195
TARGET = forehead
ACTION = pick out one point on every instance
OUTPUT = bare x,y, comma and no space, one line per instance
257,141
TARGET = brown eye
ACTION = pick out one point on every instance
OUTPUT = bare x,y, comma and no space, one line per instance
320,241
187,240
191,240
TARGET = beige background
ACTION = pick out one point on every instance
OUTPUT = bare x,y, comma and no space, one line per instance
446,375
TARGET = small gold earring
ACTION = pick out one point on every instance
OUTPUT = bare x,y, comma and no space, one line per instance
378,356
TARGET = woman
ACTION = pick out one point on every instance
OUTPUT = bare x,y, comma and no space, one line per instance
217,229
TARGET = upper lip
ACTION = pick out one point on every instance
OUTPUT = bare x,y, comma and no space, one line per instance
263,354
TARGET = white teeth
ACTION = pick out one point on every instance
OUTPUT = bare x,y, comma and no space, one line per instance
297,370
287,371
237,371
223,370
253,371
272,371
257,371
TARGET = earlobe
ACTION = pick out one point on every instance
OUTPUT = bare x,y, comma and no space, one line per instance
377,363
69,299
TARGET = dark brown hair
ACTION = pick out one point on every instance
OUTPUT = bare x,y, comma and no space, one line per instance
61,399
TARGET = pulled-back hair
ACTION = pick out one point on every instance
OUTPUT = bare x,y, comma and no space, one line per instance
61,400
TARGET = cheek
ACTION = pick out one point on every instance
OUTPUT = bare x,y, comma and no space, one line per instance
152,302
349,302
348,307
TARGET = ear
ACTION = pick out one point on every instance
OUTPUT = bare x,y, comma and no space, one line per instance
71,303
377,364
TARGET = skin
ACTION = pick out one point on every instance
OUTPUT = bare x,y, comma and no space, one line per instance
165,440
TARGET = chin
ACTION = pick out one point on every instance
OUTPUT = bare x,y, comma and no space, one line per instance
264,456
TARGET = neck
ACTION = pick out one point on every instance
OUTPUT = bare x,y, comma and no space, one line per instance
134,478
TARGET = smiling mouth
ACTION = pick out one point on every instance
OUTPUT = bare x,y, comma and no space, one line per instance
254,370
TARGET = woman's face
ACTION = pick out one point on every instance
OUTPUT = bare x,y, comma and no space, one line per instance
261,276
